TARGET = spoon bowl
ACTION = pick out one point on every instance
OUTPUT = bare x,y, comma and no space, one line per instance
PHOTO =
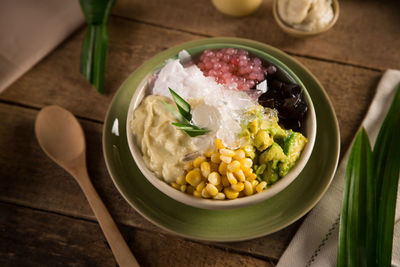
60,135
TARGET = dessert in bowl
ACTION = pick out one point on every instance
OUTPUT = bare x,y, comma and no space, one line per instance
221,127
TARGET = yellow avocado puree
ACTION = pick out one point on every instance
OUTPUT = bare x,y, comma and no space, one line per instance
162,144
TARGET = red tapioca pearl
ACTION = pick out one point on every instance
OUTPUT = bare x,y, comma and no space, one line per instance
251,83
257,61
210,53
217,66
214,60
243,57
219,54
257,69
225,68
234,61
260,77
243,52
231,51
242,63
212,73
242,70
206,59
226,58
253,76
226,75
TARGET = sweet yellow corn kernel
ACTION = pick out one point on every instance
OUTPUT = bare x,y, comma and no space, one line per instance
246,162
219,144
260,187
240,175
220,187
205,168
230,193
200,186
193,177
249,151
253,126
222,168
214,178
212,190
248,188
205,193
190,189
183,188
214,167
262,140
197,194
247,171
226,159
227,152
225,181
254,183
181,180
188,166
238,187
239,154
175,185
197,161
231,178
219,196
208,153
234,166
215,157
252,176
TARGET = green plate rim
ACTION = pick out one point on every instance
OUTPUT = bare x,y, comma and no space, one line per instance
257,45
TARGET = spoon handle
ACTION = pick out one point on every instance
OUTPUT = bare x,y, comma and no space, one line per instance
120,249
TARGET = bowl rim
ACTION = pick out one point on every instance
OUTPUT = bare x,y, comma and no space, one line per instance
299,33
210,203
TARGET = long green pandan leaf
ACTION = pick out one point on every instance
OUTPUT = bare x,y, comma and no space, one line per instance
183,115
387,168
354,222
369,199
95,44
174,112
183,106
191,130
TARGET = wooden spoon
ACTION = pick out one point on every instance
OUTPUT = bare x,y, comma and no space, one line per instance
61,137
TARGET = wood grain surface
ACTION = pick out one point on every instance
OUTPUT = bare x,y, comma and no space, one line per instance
49,239
45,219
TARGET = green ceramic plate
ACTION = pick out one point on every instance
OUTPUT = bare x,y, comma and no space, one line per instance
222,225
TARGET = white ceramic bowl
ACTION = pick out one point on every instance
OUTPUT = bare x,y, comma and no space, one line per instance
309,131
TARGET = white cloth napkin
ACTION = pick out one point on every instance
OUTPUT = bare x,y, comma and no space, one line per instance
29,30
315,243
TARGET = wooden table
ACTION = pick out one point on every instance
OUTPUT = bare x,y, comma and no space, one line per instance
45,219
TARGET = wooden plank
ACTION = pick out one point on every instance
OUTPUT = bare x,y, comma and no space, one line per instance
36,238
33,180
57,81
32,238
366,32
